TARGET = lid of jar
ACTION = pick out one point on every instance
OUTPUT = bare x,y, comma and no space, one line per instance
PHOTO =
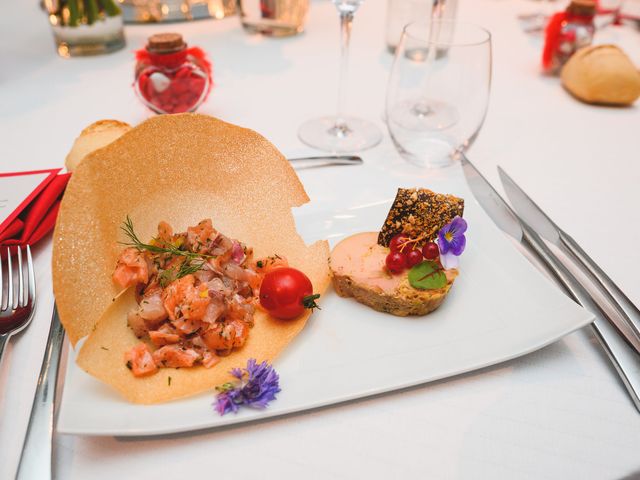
583,7
165,43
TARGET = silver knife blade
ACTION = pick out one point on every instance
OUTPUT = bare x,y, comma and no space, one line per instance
528,210
491,201
623,313
36,457
623,357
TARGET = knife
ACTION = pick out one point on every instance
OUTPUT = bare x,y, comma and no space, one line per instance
36,458
624,358
625,314
302,163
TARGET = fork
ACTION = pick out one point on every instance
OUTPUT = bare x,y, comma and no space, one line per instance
17,311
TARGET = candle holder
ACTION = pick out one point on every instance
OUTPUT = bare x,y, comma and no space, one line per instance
86,27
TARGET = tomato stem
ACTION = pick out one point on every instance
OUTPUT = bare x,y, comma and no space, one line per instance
310,301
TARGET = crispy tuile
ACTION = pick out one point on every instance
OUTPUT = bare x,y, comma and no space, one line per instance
180,169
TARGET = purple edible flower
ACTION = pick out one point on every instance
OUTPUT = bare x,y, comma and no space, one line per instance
451,237
257,385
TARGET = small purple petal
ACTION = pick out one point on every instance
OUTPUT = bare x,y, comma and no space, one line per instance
458,244
443,244
459,225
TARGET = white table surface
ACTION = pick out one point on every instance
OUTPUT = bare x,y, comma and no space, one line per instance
558,413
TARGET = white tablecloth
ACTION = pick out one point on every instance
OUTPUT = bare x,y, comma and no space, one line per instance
558,413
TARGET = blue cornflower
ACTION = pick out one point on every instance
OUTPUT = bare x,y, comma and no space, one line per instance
256,386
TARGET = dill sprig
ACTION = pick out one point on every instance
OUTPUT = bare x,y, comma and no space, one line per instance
135,242
192,263
186,268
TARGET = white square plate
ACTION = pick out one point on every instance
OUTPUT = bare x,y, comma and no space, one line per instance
500,307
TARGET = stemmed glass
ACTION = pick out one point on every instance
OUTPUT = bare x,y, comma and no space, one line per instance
438,90
341,133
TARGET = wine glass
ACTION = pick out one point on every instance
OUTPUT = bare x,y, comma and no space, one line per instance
341,133
438,90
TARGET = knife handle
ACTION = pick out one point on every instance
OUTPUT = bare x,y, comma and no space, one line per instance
623,357
627,310
36,458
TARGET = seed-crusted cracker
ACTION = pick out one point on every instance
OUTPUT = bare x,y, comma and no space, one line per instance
419,211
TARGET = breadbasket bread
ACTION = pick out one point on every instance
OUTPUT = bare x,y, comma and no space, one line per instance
602,74
97,135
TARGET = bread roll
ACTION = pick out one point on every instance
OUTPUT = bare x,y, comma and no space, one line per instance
602,74
95,136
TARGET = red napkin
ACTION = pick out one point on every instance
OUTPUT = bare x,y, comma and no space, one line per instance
37,218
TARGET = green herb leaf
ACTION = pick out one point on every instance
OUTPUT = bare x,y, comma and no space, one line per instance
427,275
225,387
135,242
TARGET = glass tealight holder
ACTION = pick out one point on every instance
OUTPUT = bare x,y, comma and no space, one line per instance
85,27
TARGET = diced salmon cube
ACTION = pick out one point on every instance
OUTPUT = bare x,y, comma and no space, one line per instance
209,359
173,356
131,268
140,361
160,339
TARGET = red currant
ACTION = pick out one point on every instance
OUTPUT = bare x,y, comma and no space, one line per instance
398,242
413,257
396,262
431,251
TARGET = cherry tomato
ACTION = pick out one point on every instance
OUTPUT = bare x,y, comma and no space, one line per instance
413,257
396,262
398,241
431,251
286,292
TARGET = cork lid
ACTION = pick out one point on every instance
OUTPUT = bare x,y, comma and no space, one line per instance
583,7
165,43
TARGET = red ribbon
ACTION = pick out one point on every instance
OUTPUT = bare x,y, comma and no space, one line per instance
552,38
553,31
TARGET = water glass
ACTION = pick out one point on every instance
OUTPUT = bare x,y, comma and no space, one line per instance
438,90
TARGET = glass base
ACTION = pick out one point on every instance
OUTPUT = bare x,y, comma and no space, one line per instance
424,114
421,130
272,29
427,152
103,36
347,134
68,49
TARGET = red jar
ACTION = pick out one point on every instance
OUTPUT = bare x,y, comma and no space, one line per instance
169,77
566,33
